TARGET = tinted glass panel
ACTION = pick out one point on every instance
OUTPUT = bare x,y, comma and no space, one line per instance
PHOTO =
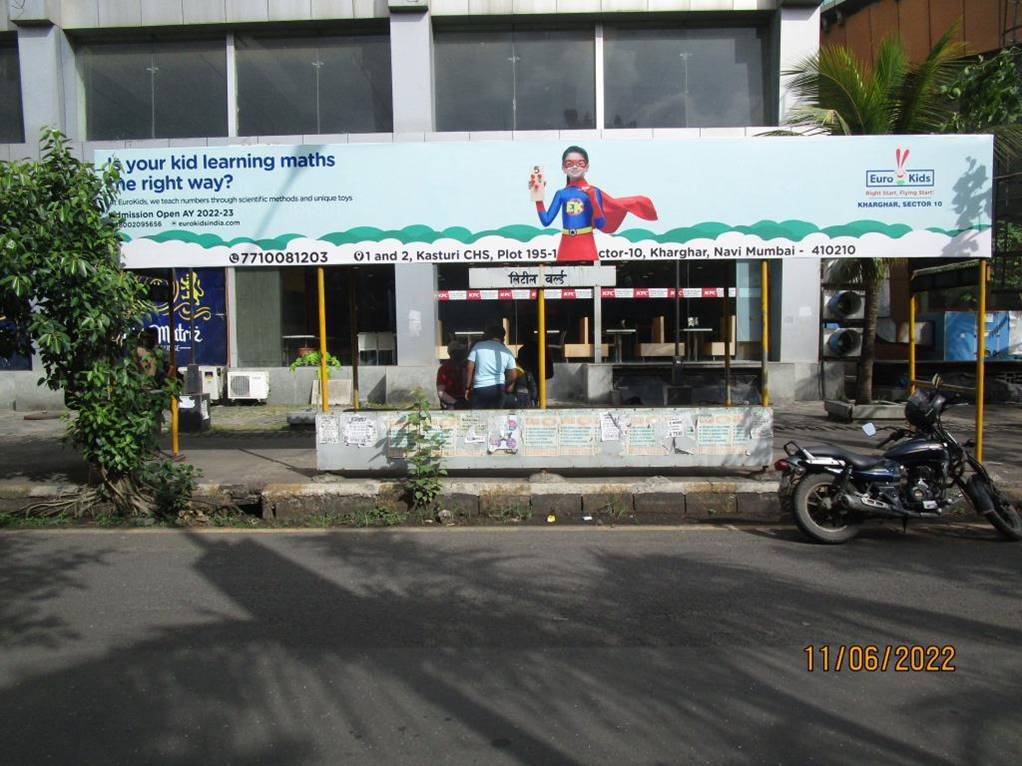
11,126
698,77
555,80
517,79
155,90
474,83
303,85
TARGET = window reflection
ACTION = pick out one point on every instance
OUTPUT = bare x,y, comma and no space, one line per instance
310,85
168,89
691,77
515,79
11,125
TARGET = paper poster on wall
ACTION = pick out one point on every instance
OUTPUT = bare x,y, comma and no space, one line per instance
715,430
577,434
359,431
328,430
539,434
504,434
643,437
613,425
331,204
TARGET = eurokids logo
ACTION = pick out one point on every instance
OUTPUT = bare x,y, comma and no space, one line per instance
901,175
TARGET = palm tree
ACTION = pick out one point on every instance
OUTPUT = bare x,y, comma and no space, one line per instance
840,95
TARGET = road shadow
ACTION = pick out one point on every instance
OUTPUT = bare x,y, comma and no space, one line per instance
373,645
29,581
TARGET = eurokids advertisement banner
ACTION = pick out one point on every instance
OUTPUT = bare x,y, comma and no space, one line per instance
514,202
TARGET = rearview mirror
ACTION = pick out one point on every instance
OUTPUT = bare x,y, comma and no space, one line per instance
870,430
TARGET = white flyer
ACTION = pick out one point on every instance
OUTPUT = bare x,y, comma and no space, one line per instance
359,431
612,426
328,430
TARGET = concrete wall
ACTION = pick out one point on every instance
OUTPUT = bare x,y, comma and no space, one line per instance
91,14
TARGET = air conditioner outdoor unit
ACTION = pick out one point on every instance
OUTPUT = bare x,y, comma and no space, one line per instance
248,385
843,304
212,382
842,343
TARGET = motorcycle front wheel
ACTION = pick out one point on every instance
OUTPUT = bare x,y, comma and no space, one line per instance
987,501
816,515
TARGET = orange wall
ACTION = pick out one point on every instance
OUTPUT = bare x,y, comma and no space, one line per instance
920,23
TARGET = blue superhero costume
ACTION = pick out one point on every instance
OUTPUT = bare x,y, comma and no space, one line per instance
585,208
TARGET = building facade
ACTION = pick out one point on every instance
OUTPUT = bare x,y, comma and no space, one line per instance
179,73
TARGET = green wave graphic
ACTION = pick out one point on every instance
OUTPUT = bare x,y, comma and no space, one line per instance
792,230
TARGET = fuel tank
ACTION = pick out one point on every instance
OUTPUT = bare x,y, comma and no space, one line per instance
918,451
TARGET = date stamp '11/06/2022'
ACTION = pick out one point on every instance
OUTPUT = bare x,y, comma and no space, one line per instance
873,658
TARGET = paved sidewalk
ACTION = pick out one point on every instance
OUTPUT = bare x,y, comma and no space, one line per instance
254,446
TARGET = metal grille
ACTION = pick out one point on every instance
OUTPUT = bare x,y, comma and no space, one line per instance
240,385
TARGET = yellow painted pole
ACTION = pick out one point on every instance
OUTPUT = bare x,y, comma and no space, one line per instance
541,372
981,352
175,447
324,378
764,288
911,344
353,320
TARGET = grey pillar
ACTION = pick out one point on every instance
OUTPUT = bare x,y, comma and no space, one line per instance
411,49
415,298
795,322
42,82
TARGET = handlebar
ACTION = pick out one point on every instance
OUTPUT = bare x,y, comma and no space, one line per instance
896,434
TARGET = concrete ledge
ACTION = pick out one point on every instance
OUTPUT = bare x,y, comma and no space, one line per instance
647,501
846,412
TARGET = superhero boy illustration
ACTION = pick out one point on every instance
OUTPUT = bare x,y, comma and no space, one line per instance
583,207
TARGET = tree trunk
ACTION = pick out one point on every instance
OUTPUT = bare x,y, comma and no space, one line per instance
864,382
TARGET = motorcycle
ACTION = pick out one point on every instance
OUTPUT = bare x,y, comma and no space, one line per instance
832,491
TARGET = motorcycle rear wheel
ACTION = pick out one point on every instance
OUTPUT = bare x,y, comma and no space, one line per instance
816,516
995,507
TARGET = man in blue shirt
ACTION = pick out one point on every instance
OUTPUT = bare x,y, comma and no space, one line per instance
490,371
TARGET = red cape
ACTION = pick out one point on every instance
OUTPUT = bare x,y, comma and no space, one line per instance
615,210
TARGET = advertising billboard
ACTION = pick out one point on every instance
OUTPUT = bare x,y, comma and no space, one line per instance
513,202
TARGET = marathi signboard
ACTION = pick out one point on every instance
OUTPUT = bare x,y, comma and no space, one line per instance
825,197
543,276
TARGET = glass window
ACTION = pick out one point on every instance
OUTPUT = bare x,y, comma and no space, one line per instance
685,77
12,128
515,79
310,85
155,89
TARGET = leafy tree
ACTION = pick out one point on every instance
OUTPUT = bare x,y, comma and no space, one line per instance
62,283
841,95
988,98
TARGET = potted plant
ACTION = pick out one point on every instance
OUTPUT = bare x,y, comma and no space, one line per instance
311,359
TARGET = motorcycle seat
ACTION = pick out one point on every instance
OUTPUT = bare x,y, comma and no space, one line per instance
857,461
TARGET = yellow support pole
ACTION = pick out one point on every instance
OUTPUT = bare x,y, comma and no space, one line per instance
764,279
911,344
175,448
541,372
981,352
324,379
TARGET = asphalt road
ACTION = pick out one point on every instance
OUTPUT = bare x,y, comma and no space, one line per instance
482,646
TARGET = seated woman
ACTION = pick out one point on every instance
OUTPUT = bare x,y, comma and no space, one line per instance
450,378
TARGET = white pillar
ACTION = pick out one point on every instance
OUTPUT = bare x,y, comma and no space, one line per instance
795,309
799,38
